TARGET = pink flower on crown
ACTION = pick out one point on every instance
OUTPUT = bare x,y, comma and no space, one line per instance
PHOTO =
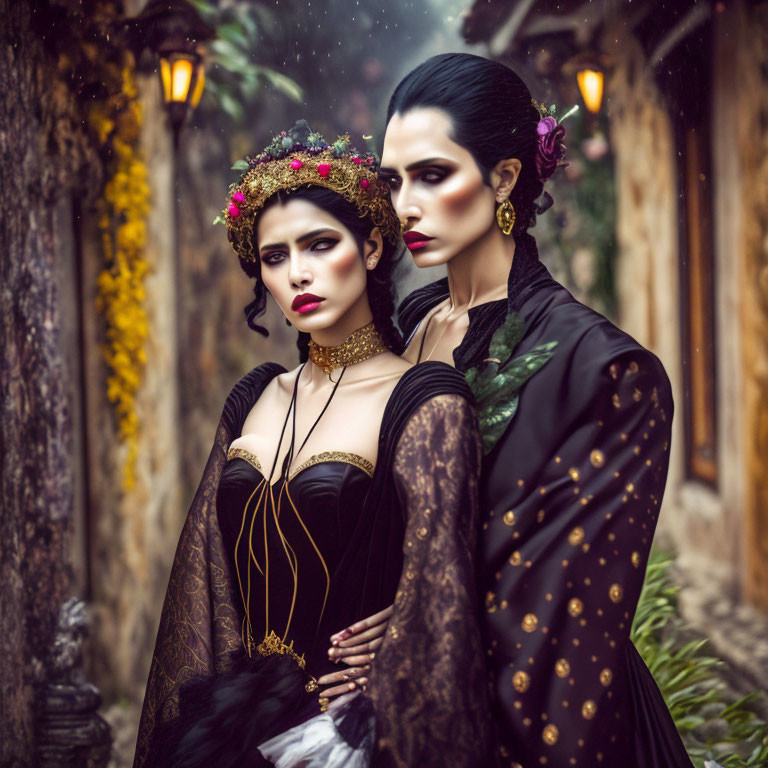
233,210
364,183
324,169
296,164
238,197
357,160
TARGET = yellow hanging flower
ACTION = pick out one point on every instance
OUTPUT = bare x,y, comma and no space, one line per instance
122,223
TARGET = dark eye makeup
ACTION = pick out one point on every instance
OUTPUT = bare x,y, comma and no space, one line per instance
272,258
431,174
323,244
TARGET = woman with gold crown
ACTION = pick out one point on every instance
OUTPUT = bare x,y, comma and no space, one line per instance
332,491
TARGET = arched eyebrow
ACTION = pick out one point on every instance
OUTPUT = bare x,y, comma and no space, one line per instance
413,166
303,238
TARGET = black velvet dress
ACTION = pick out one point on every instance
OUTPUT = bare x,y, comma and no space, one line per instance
343,541
570,496
317,518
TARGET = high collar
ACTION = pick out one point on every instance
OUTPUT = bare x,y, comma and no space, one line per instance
526,276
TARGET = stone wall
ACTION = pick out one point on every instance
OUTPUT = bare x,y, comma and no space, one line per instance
44,157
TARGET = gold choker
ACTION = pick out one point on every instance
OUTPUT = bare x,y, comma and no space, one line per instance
363,344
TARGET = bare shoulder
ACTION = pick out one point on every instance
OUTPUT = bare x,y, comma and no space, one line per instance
276,395
285,381
395,364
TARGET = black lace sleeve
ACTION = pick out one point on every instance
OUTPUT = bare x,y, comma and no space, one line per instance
199,624
428,686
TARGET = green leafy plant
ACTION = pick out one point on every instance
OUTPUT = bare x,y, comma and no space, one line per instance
234,80
712,724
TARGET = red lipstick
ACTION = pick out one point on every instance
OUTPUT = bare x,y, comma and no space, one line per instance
416,241
306,302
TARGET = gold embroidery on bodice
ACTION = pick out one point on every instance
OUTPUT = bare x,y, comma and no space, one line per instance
266,504
319,458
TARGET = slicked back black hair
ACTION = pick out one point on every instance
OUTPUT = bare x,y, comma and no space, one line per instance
492,114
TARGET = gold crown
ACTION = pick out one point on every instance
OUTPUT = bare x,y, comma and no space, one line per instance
300,158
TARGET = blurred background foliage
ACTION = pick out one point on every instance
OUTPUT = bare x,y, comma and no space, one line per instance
715,722
235,81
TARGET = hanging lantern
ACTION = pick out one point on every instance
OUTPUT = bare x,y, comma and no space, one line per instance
183,80
591,86
174,31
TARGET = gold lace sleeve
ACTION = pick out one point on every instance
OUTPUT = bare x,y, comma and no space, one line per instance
428,686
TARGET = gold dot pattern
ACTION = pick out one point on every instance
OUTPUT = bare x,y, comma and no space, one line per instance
521,681
509,517
530,622
583,524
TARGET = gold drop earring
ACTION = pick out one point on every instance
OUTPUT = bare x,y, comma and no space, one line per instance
505,217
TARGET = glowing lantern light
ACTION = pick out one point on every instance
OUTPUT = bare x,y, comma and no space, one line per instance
591,86
174,31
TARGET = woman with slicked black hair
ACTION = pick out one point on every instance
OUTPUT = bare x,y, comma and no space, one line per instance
575,415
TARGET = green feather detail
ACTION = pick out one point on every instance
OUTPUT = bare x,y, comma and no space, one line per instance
496,382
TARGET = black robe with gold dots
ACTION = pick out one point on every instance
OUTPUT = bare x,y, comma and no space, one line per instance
570,497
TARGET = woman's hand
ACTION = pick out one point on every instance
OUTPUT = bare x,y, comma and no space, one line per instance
356,647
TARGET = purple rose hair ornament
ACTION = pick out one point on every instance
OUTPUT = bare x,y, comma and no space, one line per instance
550,135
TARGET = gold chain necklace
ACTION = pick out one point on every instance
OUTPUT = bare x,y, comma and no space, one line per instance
363,344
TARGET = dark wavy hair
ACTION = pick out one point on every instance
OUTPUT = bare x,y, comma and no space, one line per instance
380,288
492,114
